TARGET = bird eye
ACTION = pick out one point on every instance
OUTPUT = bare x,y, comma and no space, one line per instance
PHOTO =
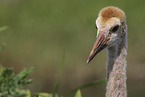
115,28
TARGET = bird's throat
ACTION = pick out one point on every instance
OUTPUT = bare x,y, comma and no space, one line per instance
116,70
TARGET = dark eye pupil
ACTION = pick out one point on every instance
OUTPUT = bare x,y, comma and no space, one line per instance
115,28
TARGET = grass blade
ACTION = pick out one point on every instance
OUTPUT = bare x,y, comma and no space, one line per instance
78,94
60,74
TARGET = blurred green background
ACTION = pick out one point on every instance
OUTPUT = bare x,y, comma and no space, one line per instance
39,31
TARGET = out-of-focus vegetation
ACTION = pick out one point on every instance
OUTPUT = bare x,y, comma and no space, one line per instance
11,83
40,30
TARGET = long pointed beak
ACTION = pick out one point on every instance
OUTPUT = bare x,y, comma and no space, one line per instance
99,45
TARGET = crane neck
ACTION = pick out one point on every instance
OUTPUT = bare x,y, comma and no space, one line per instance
116,69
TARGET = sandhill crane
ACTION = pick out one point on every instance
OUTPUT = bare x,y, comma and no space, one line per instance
112,34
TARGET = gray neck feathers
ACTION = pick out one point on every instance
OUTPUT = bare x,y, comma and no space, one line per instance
116,68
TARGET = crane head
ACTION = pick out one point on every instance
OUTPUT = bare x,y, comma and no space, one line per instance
109,26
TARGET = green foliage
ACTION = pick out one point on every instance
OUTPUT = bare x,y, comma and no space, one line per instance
78,94
11,83
45,95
